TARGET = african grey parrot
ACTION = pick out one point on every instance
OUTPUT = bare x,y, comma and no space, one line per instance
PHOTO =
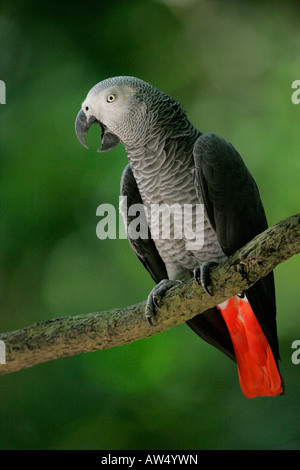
171,162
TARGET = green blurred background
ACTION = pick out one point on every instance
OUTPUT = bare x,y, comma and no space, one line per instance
231,64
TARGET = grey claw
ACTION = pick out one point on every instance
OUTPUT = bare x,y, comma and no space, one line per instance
207,291
155,297
197,275
156,300
202,275
149,320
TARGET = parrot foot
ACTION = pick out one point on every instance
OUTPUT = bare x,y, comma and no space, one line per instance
202,275
155,297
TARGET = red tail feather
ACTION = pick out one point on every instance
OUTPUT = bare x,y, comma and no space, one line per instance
257,368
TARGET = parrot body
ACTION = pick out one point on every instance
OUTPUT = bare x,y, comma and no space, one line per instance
173,164
163,175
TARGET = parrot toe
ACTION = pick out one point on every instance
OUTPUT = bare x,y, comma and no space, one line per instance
202,275
155,297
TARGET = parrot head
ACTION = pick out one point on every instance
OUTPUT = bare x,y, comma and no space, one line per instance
130,111
119,106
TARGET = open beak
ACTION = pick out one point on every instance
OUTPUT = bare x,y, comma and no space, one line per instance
82,125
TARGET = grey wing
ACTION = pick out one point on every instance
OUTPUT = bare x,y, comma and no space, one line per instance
235,211
144,248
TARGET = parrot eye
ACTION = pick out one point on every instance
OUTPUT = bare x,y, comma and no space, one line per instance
86,108
111,98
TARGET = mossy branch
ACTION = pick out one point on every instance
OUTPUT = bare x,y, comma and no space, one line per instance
67,336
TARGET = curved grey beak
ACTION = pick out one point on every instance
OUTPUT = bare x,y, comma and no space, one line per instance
82,126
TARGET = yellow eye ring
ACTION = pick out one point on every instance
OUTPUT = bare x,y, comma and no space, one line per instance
111,98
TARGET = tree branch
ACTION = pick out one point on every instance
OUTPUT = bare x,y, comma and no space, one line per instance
68,336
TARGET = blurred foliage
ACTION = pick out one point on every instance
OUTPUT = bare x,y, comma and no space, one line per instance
231,65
